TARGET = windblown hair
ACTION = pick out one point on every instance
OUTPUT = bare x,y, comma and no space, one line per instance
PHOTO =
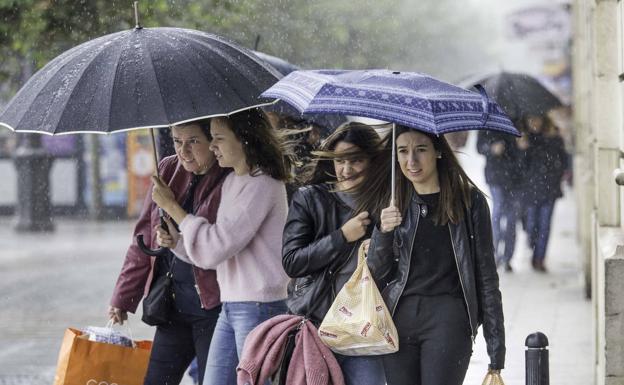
368,146
455,185
265,149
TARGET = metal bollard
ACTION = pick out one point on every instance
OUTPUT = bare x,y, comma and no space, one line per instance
536,357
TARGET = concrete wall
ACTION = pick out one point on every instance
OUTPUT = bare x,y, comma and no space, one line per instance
598,90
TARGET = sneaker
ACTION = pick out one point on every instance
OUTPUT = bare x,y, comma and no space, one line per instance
508,267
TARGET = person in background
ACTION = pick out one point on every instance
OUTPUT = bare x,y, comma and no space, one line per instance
547,162
243,245
504,172
433,256
324,228
195,178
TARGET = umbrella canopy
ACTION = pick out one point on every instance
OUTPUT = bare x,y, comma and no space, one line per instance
326,122
139,78
518,94
412,99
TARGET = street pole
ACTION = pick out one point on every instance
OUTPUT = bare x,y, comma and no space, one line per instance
33,164
33,212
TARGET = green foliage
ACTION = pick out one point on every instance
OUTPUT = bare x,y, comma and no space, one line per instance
427,35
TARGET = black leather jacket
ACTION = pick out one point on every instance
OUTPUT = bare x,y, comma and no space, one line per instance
389,259
315,253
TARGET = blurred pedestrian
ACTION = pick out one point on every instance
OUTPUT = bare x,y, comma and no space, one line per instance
244,244
434,258
504,175
195,179
547,162
324,228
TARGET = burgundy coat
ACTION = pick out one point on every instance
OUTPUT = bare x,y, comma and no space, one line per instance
136,273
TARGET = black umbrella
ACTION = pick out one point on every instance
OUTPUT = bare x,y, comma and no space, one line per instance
140,78
518,94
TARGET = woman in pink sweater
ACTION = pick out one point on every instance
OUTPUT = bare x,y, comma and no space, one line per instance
244,244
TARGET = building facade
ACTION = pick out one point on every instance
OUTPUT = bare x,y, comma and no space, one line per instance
598,78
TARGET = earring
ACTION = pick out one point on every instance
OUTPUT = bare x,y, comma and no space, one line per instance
439,156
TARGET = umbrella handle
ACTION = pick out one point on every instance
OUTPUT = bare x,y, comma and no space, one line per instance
159,252
393,167
485,100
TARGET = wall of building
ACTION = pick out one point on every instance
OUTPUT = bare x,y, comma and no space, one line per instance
598,89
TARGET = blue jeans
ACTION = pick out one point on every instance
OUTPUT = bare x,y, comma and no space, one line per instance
504,217
236,321
538,219
362,370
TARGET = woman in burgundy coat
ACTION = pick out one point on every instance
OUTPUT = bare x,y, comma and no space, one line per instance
196,179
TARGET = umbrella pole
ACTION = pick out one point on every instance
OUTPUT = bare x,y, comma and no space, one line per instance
393,166
154,152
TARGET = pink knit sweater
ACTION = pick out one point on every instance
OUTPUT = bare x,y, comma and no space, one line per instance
244,245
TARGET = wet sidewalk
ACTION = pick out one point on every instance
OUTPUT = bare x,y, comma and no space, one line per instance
553,303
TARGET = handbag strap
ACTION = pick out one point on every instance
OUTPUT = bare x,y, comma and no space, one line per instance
319,299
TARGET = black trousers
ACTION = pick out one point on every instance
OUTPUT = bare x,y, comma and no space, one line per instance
177,343
434,342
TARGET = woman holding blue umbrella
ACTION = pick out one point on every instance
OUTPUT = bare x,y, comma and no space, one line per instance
433,255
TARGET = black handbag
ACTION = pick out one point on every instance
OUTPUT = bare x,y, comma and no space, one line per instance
158,303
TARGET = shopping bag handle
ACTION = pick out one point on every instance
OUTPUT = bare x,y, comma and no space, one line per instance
110,324
361,254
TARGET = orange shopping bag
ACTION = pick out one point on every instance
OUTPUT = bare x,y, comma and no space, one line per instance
84,362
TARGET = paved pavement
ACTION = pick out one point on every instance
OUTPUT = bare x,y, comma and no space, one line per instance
52,281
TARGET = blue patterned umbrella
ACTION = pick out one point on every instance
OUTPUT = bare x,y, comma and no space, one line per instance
412,99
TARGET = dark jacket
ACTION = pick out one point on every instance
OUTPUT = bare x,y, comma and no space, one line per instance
136,274
315,253
507,169
547,160
389,259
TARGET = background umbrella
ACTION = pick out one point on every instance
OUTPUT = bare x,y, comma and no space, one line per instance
412,99
517,93
140,78
279,64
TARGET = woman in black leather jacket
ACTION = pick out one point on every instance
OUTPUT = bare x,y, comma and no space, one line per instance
324,228
433,256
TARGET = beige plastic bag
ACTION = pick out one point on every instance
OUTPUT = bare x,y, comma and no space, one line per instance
493,377
358,323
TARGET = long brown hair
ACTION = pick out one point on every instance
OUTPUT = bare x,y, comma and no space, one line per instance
265,150
364,137
455,185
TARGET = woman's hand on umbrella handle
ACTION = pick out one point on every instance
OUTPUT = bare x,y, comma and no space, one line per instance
389,219
355,228
161,193
117,315
167,238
